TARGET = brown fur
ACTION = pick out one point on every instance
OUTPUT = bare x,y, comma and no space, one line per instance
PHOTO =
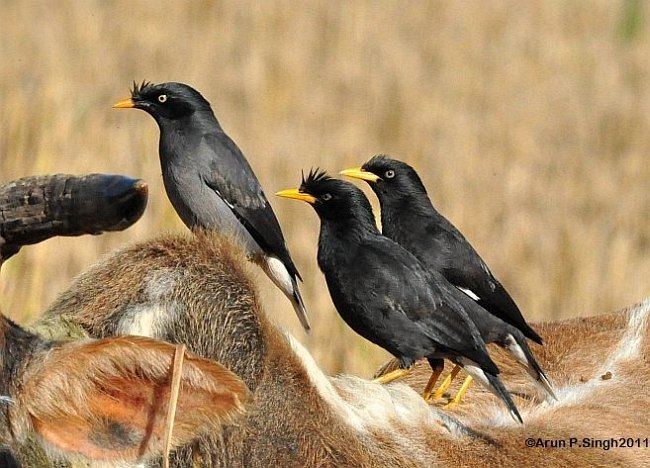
576,351
107,399
198,294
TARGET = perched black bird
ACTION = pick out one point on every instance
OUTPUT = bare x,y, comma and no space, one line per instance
409,218
210,183
385,294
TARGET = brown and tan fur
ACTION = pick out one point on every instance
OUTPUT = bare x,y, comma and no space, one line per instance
600,369
193,290
105,399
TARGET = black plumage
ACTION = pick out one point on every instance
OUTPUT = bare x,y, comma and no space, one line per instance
409,218
211,184
494,330
384,293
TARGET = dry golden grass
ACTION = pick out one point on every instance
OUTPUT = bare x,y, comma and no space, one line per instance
529,121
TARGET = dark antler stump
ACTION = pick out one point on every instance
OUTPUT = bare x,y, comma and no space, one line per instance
33,209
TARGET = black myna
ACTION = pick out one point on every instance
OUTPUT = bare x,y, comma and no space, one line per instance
210,183
409,218
385,294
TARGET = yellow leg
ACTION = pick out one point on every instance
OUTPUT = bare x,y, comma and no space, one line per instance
461,392
428,390
446,383
392,375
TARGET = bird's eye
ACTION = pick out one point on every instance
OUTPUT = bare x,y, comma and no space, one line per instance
390,174
326,197
162,98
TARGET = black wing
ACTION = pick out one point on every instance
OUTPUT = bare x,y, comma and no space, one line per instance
232,178
475,276
414,291
464,268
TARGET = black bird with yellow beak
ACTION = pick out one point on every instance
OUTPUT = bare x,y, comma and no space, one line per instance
210,183
383,292
409,218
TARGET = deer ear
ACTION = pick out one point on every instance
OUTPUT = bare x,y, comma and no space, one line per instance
107,399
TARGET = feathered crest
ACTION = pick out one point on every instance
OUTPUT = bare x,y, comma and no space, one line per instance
314,177
378,161
138,89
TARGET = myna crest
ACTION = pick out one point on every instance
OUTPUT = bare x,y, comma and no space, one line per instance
312,188
138,90
314,177
333,199
168,101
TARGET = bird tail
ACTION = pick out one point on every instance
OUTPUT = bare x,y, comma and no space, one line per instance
299,306
532,334
499,390
519,349
493,384
500,301
287,283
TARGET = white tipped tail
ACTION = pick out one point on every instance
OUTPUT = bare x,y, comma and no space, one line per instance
280,276
299,307
524,356
493,384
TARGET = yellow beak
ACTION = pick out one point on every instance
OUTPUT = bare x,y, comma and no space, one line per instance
296,195
124,104
359,173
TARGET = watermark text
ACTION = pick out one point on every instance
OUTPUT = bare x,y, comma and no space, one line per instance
588,442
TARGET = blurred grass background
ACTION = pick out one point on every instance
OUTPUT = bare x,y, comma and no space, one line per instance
529,122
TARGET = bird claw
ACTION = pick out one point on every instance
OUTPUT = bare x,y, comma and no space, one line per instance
431,398
459,396
451,405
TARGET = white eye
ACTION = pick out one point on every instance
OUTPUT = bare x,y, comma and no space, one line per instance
390,174
162,98
326,197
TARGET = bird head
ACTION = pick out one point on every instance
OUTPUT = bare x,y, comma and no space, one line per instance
333,199
388,177
165,101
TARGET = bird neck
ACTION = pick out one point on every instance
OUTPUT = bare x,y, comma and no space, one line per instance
198,122
339,236
179,137
352,221
399,207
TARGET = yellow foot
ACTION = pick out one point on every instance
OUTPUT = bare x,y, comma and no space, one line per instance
459,396
446,383
392,375
450,406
